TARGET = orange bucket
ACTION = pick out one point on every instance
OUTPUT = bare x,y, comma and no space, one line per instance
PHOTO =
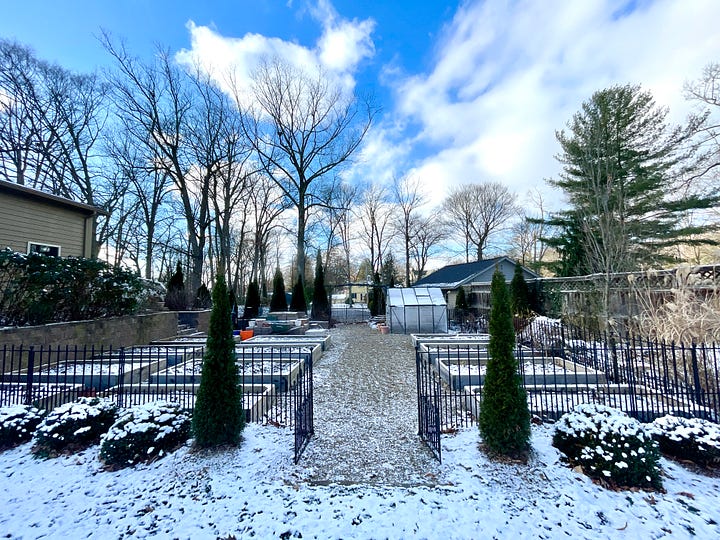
245,334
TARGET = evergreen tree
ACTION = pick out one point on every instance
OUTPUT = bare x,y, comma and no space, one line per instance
219,417
297,302
176,298
278,302
621,165
461,303
519,293
320,305
504,417
389,271
376,297
203,299
252,301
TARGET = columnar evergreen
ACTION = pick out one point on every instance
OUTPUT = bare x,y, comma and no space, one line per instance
461,303
297,302
278,302
320,305
519,293
504,417
252,301
219,417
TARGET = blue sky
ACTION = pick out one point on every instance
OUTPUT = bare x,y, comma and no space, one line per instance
469,90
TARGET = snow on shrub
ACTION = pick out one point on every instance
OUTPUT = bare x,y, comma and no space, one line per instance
143,433
693,439
609,445
74,426
17,424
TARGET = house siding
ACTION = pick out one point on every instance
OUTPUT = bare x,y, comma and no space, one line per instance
25,220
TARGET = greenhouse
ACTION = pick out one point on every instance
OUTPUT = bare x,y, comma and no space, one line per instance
416,310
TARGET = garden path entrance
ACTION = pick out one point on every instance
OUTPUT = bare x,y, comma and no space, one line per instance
365,403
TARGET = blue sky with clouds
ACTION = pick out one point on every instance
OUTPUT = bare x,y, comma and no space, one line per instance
469,90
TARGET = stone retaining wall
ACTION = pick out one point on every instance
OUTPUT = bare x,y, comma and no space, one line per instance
115,331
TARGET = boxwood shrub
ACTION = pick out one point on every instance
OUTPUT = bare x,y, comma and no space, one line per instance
144,433
609,445
692,439
17,424
74,426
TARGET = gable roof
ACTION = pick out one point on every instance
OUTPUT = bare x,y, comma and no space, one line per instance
455,275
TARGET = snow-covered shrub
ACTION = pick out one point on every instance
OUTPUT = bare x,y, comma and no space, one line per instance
17,424
609,445
144,433
74,426
693,439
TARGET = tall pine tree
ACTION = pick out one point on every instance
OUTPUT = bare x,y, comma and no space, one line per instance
621,167
219,417
504,416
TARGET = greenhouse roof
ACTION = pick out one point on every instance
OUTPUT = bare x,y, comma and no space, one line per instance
416,296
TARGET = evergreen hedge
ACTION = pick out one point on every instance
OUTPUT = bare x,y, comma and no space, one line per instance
504,416
39,289
219,417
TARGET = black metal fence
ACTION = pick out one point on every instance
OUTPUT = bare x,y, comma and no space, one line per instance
302,399
561,367
276,379
429,392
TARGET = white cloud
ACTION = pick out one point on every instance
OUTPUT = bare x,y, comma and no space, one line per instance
341,47
509,74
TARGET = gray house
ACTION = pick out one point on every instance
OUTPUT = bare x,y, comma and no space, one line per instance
475,277
32,221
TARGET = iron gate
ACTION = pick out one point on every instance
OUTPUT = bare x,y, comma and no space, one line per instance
429,399
302,394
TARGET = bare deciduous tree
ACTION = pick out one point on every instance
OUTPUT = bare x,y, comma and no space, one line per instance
375,213
408,199
476,211
302,127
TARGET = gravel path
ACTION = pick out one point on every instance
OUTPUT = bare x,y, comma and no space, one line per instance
366,413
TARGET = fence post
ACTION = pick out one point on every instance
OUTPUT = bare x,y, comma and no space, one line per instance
121,377
696,374
29,378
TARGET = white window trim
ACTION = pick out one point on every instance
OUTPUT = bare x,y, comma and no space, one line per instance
59,248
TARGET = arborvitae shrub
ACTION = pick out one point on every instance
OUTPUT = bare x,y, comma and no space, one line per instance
219,417
320,304
692,439
176,297
74,426
144,433
278,301
519,293
461,304
17,424
252,301
504,416
376,297
297,302
609,445
202,298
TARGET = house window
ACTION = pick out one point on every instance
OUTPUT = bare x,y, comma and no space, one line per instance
43,249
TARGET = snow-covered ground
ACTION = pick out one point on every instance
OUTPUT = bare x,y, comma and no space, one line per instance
365,474
256,491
